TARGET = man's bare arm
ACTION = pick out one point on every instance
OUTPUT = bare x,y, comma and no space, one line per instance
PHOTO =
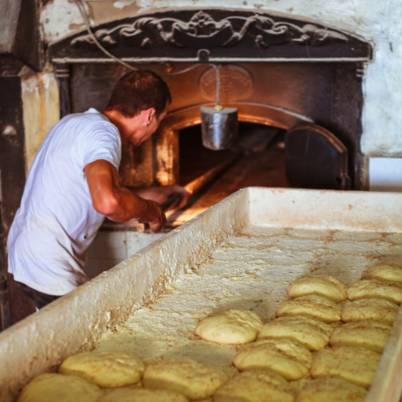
116,202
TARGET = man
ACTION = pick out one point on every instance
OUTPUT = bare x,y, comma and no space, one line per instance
73,185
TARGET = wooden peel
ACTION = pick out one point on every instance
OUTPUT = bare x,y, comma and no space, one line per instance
193,187
198,183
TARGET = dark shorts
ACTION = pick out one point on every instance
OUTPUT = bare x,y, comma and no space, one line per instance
25,300
38,299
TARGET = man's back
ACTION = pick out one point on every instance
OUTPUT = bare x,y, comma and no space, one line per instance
56,221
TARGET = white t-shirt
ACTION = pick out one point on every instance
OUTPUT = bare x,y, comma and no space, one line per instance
56,221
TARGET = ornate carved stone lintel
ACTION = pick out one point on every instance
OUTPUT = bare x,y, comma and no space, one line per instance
218,33
203,29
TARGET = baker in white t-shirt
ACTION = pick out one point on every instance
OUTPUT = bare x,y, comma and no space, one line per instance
73,185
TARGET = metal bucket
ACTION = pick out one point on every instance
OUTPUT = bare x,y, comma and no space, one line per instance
219,127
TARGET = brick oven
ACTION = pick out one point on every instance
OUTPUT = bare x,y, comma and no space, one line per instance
290,79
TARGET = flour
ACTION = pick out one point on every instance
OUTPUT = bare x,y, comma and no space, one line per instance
250,270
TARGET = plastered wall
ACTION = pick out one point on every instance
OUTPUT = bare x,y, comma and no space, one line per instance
40,98
376,21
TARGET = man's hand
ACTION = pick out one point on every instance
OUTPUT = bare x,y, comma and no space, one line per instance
159,220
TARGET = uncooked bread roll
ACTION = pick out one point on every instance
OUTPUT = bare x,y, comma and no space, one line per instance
331,390
142,395
286,357
369,334
375,288
51,387
324,285
187,377
230,327
387,272
107,369
357,365
369,309
254,386
311,333
314,306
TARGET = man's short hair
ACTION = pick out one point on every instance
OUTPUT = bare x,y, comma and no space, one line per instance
139,90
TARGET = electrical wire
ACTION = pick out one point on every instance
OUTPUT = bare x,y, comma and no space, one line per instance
81,4
185,70
82,8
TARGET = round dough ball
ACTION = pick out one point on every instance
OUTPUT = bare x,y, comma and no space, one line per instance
254,386
375,288
324,285
369,334
107,369
331,390
311,333
357,365
187,377
230,327
369,309
288,358
52,387
314,306
387,272
142,395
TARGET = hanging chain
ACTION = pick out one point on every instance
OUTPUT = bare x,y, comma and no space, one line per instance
218,106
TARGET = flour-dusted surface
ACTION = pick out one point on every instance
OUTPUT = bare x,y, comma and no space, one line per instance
250,270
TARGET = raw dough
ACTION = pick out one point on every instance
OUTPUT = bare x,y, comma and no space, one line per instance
311,333
369,334
187,377
51,387
357,365
375,288
314,306
288,358
255,386
369,309
388,272
331,390
324,285
142,395
107,369
230,327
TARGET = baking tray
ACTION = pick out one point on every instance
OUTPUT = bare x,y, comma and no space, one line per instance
80,319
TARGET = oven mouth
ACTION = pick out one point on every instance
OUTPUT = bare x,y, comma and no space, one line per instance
275,70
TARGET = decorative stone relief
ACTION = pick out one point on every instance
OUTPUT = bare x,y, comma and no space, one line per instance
202,29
